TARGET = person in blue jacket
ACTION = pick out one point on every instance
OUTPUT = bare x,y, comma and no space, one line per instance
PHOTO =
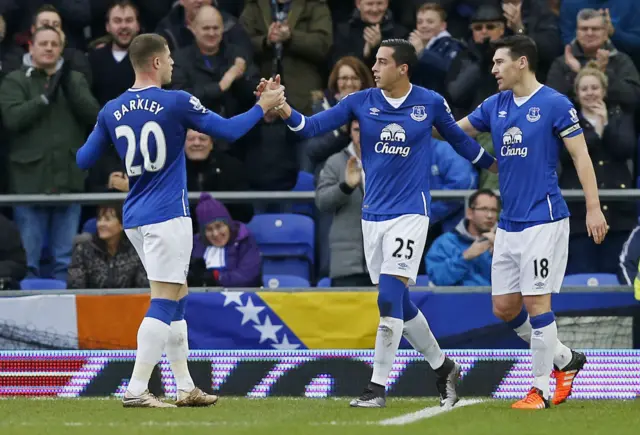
462,257
449,171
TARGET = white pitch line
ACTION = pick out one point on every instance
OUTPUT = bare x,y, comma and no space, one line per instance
426,413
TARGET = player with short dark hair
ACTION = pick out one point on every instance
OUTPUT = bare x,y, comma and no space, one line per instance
529,122
147,125
395,124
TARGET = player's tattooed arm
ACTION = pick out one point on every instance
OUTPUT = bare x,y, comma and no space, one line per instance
596,223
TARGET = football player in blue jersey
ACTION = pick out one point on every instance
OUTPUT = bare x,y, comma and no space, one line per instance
529,123
147,125
396,119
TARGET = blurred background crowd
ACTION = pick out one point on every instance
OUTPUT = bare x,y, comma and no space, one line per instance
62,60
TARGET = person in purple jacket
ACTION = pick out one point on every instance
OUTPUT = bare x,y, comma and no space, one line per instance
225,254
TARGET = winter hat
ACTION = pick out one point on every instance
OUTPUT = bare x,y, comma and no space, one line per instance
210,210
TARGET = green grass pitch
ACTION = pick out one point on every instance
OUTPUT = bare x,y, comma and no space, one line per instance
284,416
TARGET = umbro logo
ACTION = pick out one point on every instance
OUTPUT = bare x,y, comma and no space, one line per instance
374,111
502,114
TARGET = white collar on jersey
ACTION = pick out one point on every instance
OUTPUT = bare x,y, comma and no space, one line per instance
521,100
143,89
396,102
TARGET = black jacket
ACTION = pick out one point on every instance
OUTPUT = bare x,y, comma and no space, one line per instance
610,155
13,260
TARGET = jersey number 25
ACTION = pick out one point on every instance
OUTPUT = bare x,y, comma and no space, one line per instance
148,129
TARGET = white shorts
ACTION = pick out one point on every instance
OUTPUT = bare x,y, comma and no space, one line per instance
532,261
164,249
395,246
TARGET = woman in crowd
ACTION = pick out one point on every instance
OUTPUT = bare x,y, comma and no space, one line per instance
106,259
611,142
225,254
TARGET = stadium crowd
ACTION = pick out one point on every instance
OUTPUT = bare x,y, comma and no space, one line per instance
62,60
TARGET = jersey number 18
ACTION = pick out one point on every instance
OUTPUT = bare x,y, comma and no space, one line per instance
148,128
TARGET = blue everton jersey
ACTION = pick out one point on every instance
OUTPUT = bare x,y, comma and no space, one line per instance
396,146
527,136
148,128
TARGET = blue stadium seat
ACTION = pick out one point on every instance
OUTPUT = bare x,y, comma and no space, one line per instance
284,281
590,279
287,243
90,226
42,284
422,281
324,283
305,183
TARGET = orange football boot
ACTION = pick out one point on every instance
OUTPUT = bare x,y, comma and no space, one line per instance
566,376
534,400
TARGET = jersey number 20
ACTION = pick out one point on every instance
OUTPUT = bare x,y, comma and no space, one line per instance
148,129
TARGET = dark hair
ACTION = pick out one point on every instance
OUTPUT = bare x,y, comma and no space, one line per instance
122,4
519,45
364,73
105,208
144,47
474,197
45,8
44,29
435,7
403,53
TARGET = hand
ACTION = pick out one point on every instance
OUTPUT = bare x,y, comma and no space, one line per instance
602,59
416,41
372,38
352,173
273,84
596,224
272,34
54,84
476,249
118,181
599,108
570,59
609,25
494,167
271,98
513,15
284,32
233,73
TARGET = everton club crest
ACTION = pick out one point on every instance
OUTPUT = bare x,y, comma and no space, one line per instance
419,113
534,114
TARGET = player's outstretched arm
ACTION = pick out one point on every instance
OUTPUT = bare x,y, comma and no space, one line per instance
464,124
596,223
98,141
323,122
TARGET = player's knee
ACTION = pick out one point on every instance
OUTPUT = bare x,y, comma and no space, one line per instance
390,296
505,310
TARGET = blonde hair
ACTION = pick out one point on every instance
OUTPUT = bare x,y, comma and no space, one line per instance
591,69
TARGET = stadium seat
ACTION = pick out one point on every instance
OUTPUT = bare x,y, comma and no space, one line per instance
90,226
590,279
422,281
284,281
324,282
42,284
287,243
305,183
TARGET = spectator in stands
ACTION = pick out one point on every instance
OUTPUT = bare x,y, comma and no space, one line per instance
449,171
592,44
47,110
611,141
13,261
535,19
4,47
212,170
291,38
112,75
106,259
435,47
47,15
214,70
225,254
348,75
470,80
628,267
340,192
463,256
150,14
177,27
622,17
269,153
371,23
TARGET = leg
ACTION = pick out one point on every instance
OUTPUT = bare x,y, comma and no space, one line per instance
32,223
177,352
64,226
